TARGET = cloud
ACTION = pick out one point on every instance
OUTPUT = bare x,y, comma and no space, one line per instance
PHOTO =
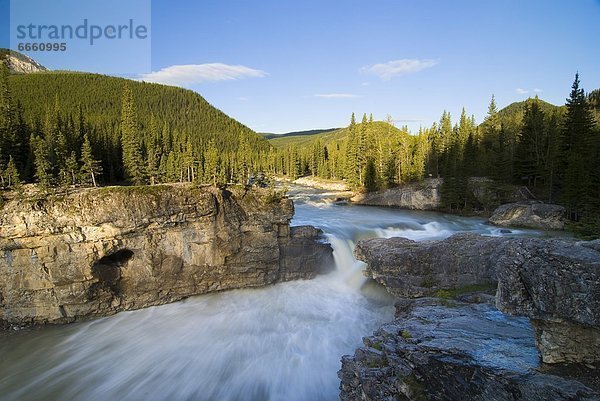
398,67
190,74
337,96
364,84
243,99
522,91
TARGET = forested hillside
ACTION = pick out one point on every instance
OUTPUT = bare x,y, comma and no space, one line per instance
554,151
48,116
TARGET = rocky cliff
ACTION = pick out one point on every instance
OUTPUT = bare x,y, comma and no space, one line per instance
445,350
19,62
99,251
554,282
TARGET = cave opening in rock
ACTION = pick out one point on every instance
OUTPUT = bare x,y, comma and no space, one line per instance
108,270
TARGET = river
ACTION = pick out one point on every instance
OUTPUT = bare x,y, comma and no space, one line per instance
279,343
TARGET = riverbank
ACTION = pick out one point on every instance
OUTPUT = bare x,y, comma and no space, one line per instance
319,183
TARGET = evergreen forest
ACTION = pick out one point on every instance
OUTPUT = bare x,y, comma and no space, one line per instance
81,129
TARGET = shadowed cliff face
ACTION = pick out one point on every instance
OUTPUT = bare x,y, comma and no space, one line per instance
100,251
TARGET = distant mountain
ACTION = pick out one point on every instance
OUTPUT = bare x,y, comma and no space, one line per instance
378,128
20,63
297,133
517,109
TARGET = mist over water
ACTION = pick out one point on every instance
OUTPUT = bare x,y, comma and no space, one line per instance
282,342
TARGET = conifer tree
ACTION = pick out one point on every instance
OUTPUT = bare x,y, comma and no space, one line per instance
211,163
530,148
6,106
133,164
71,170
153,152
370,175
13,178
43,167
579,146
91,168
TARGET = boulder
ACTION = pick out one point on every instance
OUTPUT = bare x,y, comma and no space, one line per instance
417,196
95,252
436,351
416,269
427,194
530,215
305,254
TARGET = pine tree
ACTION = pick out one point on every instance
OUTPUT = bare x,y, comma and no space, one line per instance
91,168
71,169
153,152
352,164
12,174
244,159
189,161
6,115
133,164
445,140
530,148
211,163
490,131
42,162
578,143
370,175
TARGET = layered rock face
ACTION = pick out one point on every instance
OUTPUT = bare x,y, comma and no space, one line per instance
557,285
99,251
531,215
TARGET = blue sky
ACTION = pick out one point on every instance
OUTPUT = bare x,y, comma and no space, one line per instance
280,66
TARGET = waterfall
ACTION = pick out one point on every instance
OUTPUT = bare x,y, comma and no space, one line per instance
282,342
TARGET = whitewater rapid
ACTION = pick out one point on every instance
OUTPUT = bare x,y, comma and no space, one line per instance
282,342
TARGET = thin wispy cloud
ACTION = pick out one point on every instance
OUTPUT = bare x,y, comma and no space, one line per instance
522,91
336,96
243,99
394,68
190,74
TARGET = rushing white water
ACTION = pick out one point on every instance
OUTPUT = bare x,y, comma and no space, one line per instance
282,342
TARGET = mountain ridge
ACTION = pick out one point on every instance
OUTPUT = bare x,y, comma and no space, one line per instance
20,63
